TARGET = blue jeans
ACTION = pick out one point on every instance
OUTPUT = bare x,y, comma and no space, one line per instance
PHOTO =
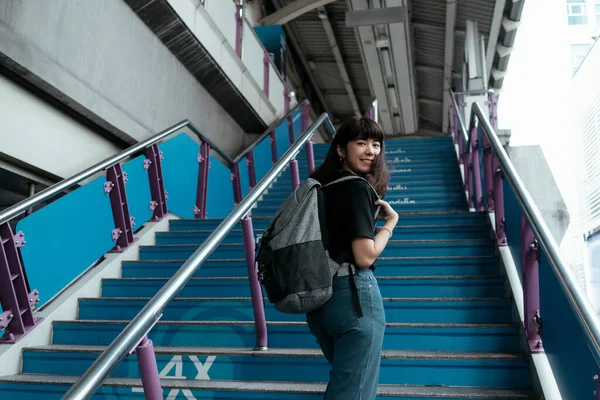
351,344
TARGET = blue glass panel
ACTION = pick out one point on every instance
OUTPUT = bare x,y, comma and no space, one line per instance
220,190
244,176
283,138
66,237
297,118
564,339
263,160
138,191
180,172
512,215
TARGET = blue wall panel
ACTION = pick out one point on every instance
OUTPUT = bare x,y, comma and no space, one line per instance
138,191
180,172
512,215
220,190
244,177
563,338
297,118
66,237
282,133
262,158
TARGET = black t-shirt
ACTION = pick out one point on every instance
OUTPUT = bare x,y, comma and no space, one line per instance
349,214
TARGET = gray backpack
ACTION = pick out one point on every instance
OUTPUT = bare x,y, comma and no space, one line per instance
293,262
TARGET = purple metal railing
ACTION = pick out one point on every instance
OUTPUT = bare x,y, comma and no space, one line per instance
493,177
201,188
17,319
310,154
114,186
266,72
239,21
153,164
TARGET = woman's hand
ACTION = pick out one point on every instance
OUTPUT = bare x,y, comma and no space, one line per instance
386,212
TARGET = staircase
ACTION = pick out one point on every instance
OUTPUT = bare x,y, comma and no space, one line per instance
450,332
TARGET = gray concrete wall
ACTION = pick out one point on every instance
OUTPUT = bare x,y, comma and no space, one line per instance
98,56
533,169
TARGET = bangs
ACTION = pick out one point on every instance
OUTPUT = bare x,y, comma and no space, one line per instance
369,129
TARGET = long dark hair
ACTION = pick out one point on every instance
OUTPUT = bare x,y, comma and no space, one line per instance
355,129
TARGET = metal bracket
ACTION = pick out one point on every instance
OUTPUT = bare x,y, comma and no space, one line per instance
115,234
147,164
5,318
537,320
200,158
125,178
108,186
153,205
247,162
132,219
166,195
34,298
160,154
196,210
232,176
19,239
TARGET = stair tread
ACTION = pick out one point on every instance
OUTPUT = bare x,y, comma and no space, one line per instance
398,227
379,278
291,323
292,352
287,387
249,299
399,241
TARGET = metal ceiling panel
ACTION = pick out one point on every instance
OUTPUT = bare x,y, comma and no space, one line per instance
431,12
430,84
429,46
481,11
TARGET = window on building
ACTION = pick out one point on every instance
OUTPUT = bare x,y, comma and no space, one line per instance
577,13
578,53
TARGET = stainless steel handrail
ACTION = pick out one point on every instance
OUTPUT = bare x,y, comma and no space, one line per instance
143,321
582,307
68,183
268,131
461,121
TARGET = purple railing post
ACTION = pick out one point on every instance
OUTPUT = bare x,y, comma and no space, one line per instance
487,171
149,370
238,29
201,190
295,174
266,72
237,185
476,169
251,170
124,222
452,124
273,139
468,176
153,164
17,319
498,177
255,289
531,287
493,108
310,154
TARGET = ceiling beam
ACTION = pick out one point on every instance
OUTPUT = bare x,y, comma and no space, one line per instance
285,14
434,70
292,35
451,8
493,38
432,102
436,28
335,49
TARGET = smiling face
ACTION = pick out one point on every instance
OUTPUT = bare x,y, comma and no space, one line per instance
360,155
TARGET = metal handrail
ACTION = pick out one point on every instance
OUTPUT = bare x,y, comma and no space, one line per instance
461,122
126,154
268,131
144,320
584,310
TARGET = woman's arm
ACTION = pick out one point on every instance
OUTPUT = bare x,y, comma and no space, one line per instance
367,250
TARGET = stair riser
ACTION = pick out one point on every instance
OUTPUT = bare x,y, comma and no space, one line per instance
443,339
392,250
459,267
409,372
398,207
412,220
474,312
275,200
404,234
412,288
53,392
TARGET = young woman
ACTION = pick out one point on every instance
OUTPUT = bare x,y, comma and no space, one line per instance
349,327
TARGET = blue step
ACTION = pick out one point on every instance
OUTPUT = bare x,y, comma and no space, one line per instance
402,205
210,224
390,266
432,337
448,287
434,232
395,248
54,386
425,310
397,367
